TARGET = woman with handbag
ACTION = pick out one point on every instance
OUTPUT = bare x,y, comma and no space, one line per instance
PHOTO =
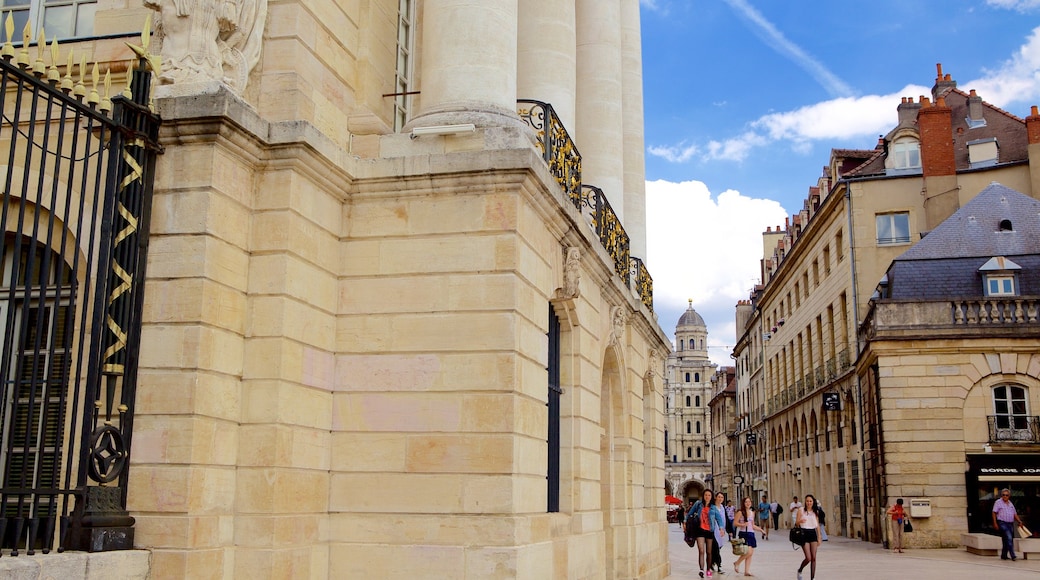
704,518
899,519
808,519
745,524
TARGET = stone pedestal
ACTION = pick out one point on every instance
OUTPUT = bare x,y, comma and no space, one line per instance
99,522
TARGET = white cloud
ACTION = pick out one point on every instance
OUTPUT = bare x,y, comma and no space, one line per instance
773,37
1017,80
679,153
837,119
1020,5
650,4
705,249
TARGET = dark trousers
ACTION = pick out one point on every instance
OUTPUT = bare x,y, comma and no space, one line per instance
776,521
1007,533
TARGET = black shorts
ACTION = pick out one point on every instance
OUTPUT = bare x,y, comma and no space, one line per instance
811,535
699,532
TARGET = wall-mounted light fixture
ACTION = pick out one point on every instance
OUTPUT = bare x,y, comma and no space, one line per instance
443,130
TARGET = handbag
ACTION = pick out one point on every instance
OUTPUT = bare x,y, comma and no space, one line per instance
797,536
739,546
1023,532
907,527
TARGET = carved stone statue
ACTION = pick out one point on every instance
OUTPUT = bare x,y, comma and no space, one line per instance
209,40
571,274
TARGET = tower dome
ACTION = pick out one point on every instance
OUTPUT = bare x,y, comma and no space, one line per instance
690,317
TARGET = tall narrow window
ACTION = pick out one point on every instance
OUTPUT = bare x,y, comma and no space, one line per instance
41,320
553,469
405,62
1011,414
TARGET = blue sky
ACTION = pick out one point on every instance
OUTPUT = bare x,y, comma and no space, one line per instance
744,99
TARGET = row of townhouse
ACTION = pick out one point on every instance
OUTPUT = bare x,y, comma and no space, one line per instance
824,405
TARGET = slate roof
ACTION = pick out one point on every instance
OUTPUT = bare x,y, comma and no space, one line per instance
945,263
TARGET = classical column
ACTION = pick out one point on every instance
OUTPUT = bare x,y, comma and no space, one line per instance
546,55
632,119
469,63
599,130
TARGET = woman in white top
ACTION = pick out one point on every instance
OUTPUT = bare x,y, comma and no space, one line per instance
745,524
808,519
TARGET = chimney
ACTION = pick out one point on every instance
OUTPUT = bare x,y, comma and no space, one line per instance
938,164
936,126
975,118
1033,126
943,84
1033,135
907,111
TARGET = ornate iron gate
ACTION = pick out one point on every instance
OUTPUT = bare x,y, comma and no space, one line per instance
77,167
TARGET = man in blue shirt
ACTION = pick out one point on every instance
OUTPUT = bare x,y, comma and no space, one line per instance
763,516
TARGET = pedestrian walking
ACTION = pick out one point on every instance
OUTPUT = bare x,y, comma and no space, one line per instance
795,506
730,515
745,525
704,518
763,516
1004,519
682,516
898,515
823,522
808,519
721,537
775,510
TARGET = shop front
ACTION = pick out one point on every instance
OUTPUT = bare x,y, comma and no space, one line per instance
989,473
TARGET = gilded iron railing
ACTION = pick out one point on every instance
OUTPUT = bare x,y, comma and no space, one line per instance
644,283
77,185
564,162
608,228
555,143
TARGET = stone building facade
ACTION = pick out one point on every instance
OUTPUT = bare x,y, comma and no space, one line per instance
804,418
688,392
951,371
395,325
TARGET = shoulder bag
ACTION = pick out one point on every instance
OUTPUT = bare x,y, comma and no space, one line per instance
797,536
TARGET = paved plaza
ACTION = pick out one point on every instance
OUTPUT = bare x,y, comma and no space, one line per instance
845,559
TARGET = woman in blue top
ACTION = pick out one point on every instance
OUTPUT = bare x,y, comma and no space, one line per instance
704,518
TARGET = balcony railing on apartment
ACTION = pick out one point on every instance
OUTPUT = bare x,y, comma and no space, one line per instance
996,311
564,162
1014,429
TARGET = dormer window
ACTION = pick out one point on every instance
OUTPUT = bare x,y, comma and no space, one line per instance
983,152
1000,277
904,155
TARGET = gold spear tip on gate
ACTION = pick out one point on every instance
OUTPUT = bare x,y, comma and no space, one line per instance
7,52
143,50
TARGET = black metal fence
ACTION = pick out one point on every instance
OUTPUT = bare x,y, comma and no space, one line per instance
76,165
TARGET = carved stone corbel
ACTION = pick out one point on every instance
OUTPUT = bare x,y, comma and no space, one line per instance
618,320
571,275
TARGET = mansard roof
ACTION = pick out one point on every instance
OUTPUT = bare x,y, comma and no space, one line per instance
998,222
